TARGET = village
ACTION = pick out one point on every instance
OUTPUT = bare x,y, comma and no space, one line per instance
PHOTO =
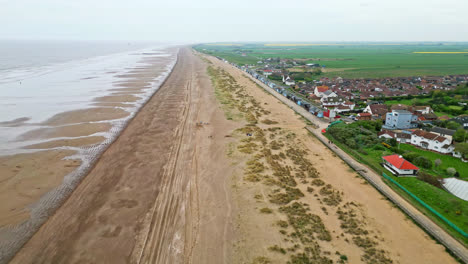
415,125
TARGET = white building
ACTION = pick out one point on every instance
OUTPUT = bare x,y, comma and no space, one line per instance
328,94
288,81
319,90
431,141
399,166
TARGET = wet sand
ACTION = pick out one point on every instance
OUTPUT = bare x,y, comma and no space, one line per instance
34,184
24,179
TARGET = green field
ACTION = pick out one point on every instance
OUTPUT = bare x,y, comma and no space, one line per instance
358,60
447,161
407,101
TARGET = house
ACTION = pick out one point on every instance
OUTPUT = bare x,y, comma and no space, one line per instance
445,132
332,101
462,120
319,90
377,110
400,137
399,166
430,117
431,141
329,93
422,109
342,108
364,116
399,107
349,104
288,81
400,119
267,72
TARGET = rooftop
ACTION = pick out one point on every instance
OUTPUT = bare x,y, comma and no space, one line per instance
399,162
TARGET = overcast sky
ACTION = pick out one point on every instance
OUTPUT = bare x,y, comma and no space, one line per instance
236,20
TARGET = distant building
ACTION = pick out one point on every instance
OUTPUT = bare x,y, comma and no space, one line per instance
462,120
328,93
422,109
319,90
377,110
399,166
288,81
400,119
267,72
364,116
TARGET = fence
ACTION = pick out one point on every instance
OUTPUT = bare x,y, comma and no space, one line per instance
455,227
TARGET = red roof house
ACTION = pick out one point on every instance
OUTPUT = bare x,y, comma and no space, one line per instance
399,166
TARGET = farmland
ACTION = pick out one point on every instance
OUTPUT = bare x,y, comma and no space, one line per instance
357,60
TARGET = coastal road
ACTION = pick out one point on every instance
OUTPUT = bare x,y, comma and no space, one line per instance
375,179
148,198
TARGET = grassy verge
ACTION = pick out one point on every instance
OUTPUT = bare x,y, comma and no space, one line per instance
447,161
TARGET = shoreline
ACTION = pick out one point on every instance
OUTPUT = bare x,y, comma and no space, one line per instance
83,151
132,205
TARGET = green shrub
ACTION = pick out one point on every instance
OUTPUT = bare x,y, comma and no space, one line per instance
451,171
423,162
411,156
423,176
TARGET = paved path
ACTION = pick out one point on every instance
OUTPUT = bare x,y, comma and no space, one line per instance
375,179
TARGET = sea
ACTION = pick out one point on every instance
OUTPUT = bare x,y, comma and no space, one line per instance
39,79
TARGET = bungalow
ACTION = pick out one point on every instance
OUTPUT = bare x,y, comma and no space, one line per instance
431,141
399,136
319,90
364,116
398,165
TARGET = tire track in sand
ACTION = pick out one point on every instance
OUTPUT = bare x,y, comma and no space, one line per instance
163,243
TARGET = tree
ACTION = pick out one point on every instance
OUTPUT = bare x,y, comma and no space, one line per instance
453,125
423,162
393,142
451,171
437,162
463,149
460,135
411,156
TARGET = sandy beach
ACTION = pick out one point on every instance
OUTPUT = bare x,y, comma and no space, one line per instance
209,174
